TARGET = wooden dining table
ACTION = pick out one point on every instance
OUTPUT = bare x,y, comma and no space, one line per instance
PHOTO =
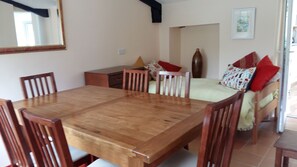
124,127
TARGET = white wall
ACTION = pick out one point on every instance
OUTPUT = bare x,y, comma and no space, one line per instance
201,12
94,29
206,38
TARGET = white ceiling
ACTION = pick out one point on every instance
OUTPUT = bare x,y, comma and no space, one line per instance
169,1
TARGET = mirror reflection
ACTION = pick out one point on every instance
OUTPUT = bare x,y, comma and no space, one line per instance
30,23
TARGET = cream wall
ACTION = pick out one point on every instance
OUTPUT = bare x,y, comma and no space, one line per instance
200,12
95,30
175,45
206,38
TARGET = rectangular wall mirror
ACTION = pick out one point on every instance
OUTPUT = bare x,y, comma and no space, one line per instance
31,25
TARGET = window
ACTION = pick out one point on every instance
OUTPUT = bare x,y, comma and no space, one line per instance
24,28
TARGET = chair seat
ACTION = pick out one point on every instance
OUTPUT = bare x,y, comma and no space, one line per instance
102,163
182,158
76,154
287,141
286,148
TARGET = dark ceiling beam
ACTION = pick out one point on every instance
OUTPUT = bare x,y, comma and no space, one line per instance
40,12
156,10
153,4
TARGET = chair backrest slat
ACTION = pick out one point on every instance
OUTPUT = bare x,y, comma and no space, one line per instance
46,84
48,141
219,127
39,85
141,87
13,137
173,83
135,80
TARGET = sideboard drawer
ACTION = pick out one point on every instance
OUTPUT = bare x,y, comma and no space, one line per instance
119,86
116,79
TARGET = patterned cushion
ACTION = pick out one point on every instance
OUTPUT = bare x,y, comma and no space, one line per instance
238,78
153,68
247,61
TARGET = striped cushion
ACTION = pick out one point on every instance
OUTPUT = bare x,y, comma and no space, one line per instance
247,61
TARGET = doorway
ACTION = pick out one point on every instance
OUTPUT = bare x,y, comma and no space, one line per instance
292,97
288,95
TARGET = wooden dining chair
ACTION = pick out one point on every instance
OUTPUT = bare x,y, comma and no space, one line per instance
38,85
218,131
171,83
135,80
13,137
48,143
286,148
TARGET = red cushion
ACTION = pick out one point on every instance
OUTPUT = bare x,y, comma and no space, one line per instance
265,71
169,67
247,61
265,62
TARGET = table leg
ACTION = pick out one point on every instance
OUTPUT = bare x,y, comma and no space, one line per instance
136,162
278,158
286,161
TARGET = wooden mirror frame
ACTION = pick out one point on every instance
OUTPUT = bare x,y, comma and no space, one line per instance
22,49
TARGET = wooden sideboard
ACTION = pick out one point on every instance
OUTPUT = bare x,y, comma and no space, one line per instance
108,77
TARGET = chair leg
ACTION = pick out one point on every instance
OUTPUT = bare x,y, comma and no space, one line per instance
275,115
278,158
84,160
286,161
94,158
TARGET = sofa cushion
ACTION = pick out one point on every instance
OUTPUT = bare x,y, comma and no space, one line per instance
154,68
238,78
139,62
247,61
169,67
264,73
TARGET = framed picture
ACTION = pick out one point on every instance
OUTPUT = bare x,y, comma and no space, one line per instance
243,23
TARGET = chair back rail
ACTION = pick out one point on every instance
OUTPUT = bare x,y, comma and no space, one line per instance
173,83
219,128
135,80
13,137
38,85
49,145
